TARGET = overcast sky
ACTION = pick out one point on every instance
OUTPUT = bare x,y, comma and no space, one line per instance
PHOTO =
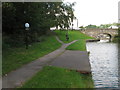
95,11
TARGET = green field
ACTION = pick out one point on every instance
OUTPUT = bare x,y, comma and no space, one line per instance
54,77
14,58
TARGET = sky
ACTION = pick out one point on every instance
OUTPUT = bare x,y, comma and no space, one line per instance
95,12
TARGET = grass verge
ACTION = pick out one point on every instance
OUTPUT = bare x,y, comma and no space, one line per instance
79,45
73,35
14,58
54,77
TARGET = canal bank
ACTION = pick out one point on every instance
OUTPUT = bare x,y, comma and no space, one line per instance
75,63
52,76
63,79
69,70
104,62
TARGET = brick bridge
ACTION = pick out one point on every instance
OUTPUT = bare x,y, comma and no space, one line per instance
101,33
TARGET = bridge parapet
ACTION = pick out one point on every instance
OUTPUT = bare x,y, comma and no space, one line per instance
95,32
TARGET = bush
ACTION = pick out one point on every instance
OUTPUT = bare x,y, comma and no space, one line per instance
116,39
12,41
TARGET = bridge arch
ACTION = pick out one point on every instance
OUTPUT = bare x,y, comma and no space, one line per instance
101,35
111,33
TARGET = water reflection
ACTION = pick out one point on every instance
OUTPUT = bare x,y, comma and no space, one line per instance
119,65
104,63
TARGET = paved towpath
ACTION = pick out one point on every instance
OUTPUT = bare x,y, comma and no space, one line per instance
74,60
19,76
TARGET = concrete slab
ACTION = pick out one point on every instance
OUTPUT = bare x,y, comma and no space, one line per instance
75,60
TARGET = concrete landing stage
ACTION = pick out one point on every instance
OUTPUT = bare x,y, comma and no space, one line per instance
74,60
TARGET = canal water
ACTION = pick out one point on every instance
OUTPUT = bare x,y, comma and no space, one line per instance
104,64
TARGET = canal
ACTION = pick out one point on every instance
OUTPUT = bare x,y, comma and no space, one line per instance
104,64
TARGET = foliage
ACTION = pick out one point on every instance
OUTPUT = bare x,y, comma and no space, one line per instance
102,26
82,27
65,16
14,58
116,38
40,15
116,24
54,77
91,26
105,26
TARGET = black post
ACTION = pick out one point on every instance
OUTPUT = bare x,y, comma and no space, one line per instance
67,37
77,23
72,25
26,41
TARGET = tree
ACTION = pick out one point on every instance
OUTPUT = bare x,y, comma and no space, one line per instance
91,26
105,26
40,15
65,16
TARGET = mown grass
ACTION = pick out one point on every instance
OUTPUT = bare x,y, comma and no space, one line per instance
73,35
54,77
14,58
49,77
79,45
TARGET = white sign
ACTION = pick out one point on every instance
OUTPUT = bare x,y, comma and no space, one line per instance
27,25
